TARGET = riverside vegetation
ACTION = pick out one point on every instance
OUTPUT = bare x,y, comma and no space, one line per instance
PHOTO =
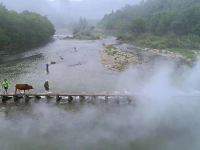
23,30
82,30
170,25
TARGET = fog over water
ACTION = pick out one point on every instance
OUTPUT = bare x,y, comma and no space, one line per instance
165,114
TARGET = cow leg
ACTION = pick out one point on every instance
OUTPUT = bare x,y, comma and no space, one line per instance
17,90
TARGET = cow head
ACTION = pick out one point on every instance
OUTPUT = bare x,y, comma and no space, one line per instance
30,86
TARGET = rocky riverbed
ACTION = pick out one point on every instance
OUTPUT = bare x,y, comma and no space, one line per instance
117,60
119,56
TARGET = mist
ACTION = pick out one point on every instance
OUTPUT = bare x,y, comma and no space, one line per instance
164,116
63,12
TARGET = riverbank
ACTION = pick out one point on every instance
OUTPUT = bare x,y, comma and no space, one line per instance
186,46
118,57
84,36
117,60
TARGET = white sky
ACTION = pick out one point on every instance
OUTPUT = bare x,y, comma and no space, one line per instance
64,10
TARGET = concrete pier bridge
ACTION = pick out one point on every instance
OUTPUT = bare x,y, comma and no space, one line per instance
27,97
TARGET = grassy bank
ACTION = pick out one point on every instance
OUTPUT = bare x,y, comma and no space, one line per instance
88,36
187,46
85,36
187,53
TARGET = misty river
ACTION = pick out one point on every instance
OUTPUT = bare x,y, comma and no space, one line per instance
166,118
77,70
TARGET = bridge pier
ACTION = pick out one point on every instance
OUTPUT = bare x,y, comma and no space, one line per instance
129,99
58,99
37,98
118,99
81,98
106,99
48,97
70,99
5,99
93,97
17,98
27,99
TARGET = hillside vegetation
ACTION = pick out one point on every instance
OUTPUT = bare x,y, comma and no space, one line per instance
163,24
23,30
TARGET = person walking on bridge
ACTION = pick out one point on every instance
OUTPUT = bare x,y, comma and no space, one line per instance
5,85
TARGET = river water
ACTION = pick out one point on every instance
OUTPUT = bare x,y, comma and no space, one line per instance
167,118
74,71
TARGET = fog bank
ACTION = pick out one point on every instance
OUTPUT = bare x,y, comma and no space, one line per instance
62,12
165,116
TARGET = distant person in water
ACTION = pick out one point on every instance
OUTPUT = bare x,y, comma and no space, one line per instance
47,68
5,85
46,86
75,49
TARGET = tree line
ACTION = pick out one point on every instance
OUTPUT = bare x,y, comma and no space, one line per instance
83,30
23,30
179,19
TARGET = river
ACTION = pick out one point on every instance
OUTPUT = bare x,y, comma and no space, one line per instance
167,118
74,71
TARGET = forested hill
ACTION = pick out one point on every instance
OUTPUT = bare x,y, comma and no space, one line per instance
176,21
23,30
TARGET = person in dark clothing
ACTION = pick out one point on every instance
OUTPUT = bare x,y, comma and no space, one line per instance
47,68
46,86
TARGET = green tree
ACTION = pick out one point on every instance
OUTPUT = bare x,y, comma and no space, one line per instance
138,26
21,30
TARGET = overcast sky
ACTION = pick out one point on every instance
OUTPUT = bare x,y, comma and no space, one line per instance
59,10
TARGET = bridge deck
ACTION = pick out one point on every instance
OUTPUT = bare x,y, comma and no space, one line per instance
60,94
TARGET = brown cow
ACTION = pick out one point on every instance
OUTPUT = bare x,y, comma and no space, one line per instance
22,87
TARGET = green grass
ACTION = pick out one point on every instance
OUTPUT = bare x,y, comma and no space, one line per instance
86,37
184,52
110,47
183,45
111,50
